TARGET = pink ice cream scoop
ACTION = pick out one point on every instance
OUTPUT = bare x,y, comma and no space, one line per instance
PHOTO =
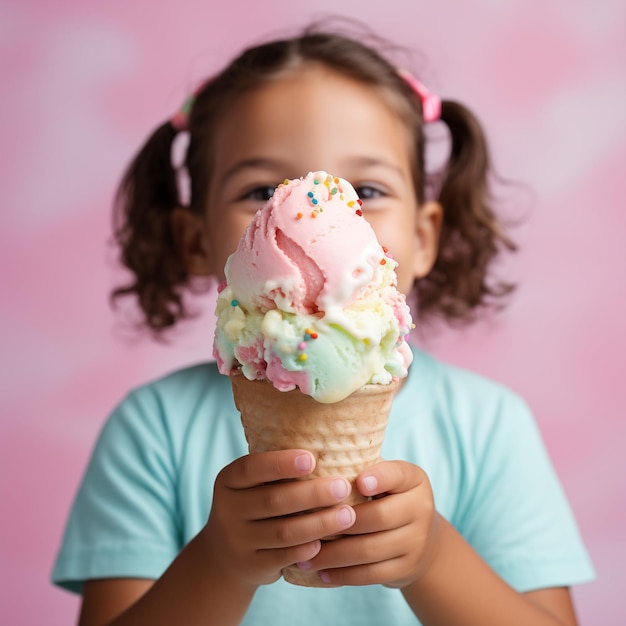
306,253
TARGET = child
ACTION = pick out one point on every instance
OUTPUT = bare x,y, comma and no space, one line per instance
176,524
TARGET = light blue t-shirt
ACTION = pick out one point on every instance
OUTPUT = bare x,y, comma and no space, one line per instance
148,489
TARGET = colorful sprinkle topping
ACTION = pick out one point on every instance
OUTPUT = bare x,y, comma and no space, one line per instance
309,334
234,303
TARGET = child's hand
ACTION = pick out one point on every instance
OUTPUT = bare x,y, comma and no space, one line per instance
393,539
252,532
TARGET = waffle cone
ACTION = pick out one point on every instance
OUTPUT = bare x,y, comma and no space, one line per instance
345,437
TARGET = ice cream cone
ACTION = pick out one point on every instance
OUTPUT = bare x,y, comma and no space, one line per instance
345,436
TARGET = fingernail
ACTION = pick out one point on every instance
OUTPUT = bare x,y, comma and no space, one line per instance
345,516
340,488
370,483
304,564
304,462
325,577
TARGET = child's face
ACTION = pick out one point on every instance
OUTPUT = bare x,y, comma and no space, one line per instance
318,120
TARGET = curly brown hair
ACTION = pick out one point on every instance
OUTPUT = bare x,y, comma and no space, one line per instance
472,236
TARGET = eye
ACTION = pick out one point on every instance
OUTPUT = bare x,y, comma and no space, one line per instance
262,193
367,192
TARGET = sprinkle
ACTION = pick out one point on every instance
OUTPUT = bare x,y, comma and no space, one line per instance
313,214
299,216
286,181
308,331
313,335
383,261
302,346
333,191
360,202
303,357
221,286
412,326
310,194
316,182
234,303
314,200
359,212
385,250
351,203
341,197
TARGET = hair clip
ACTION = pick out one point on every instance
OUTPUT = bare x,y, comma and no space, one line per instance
431,103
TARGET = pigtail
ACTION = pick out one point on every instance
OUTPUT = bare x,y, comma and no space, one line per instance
471,234
142,212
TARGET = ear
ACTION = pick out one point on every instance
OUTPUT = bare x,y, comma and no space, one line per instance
191,241
428,229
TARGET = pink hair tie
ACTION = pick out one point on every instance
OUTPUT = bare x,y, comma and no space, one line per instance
180,119
431,103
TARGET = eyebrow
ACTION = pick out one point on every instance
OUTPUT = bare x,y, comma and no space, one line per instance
253,163
367,161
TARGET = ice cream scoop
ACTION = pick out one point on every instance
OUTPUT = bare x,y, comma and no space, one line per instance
310,298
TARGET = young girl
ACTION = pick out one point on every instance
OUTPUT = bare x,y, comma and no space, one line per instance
175,523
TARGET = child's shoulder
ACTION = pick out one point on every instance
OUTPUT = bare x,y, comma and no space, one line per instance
177,396
192,379
447,377
464,396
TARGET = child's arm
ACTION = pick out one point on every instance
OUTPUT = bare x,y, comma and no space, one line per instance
248,539
401,541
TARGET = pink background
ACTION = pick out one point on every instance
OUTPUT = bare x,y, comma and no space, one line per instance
82,85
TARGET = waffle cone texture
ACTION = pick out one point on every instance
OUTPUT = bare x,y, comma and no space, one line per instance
345,437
